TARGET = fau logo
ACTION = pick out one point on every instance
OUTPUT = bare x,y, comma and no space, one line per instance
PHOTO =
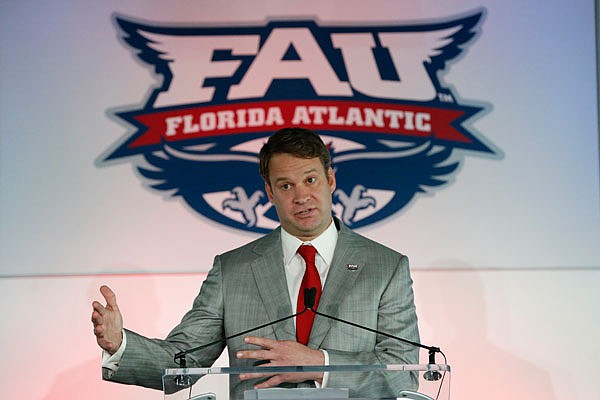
373,93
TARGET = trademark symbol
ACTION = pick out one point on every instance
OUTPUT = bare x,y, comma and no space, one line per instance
445,98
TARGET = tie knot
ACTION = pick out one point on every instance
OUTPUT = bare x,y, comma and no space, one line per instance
307,252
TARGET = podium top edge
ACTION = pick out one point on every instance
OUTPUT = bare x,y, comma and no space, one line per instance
305,368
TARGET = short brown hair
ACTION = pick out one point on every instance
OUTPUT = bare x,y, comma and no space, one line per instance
298,142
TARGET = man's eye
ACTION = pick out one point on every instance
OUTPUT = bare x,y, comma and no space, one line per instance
311,180
285,186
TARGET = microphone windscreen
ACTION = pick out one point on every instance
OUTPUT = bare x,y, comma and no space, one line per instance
310,295
432,376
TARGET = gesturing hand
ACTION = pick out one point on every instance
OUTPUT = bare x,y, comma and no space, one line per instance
108,322
282,353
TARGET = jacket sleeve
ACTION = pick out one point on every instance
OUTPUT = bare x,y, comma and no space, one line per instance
145,359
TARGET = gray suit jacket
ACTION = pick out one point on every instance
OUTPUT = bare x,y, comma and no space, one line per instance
247,287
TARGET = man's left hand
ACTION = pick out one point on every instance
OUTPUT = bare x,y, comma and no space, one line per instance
282,353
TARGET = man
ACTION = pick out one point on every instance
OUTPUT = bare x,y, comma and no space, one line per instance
362,281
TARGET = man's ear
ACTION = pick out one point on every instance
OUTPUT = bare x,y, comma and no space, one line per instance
331,179
269,191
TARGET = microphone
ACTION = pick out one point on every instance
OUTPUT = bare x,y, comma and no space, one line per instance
309,302
432,375
310,296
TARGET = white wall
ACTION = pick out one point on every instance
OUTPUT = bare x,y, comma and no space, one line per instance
507,334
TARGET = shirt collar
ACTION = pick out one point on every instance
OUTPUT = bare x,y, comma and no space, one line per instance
324,243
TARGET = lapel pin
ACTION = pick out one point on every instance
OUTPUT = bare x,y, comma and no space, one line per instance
352,267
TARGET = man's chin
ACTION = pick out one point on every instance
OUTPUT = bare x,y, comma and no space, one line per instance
307,230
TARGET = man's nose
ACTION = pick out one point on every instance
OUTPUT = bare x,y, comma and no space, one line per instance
301,194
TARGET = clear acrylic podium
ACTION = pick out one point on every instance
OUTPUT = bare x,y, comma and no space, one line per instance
213,383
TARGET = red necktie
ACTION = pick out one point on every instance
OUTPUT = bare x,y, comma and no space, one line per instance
311,279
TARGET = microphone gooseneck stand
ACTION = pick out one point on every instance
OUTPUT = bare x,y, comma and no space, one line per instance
309,304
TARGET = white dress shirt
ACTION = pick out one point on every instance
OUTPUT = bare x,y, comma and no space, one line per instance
294,263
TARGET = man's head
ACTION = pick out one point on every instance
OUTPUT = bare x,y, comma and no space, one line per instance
299,181
298,142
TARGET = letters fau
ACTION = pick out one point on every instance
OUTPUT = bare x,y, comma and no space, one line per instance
373,93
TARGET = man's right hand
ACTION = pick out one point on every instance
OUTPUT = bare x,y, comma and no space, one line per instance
108,322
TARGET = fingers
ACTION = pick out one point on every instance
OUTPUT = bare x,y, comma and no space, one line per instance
255,354
280,353
98,331
272,382
264,354
111,302
98,309
96,318
262,342
268,351
245,377
107,321
109,296
277,379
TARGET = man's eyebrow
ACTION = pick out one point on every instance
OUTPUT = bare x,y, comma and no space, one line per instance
307,172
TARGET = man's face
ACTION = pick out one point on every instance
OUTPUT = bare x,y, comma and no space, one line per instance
300,190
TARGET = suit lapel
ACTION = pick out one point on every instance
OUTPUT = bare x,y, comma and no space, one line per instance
269,274
339,282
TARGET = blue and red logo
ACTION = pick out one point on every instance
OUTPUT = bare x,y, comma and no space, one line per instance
373,93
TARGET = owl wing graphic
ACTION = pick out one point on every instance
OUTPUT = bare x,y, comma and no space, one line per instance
404,172
152,49
446,42
181,169
192,174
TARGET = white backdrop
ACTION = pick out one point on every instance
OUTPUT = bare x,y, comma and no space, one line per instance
505,258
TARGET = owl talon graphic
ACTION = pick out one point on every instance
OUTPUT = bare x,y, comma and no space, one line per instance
353,203
244,204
